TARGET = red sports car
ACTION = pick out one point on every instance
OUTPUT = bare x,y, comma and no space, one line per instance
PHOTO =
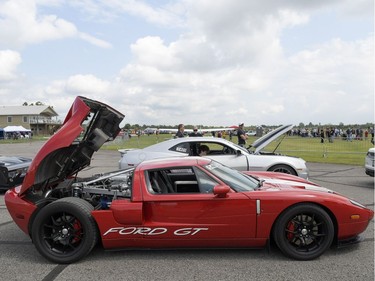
193,202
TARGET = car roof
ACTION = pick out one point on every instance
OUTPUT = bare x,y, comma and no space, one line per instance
171,142
258,144
173,162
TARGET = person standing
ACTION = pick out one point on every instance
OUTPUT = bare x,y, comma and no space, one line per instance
242,137
180,131
322,136
195,133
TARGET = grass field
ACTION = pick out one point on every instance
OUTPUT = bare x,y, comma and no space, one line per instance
310,149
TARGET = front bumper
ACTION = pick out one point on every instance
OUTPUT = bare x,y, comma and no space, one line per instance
350,241
303,174
370,172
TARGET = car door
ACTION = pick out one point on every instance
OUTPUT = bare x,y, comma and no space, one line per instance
228,156
198,218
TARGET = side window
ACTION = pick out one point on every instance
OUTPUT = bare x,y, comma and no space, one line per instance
182,148
228,150
205,182
181,180
219,149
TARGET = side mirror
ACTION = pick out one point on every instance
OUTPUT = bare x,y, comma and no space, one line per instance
221,190
238,152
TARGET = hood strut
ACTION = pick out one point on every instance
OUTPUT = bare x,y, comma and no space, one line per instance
277,146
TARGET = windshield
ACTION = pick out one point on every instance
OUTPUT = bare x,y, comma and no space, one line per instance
235,179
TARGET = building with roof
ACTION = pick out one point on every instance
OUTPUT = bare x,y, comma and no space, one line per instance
40,119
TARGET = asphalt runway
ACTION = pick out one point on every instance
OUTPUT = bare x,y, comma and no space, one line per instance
19,260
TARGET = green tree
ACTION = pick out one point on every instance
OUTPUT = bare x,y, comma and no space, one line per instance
127,126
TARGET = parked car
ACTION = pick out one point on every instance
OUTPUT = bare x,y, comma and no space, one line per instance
251,133
12,170
223,151
168,203
369,162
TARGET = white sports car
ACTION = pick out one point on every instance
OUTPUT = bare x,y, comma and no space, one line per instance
223,151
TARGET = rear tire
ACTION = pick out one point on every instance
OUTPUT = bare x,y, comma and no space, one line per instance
304,232
64,231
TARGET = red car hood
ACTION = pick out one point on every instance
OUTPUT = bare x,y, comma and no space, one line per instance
87,126
280,181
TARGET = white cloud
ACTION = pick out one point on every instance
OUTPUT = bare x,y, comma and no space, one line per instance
94,41
235,53
227,64
9,61
151,51
21,24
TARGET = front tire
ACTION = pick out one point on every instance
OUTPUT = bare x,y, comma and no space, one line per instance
64,231
304,232
281,168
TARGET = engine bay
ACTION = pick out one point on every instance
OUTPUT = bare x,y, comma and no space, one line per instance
99,190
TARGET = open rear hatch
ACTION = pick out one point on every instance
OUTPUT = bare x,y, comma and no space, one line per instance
87,126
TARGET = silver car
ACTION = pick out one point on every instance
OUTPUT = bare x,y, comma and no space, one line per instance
370,162
223,151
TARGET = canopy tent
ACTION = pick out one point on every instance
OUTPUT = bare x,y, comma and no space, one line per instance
11,129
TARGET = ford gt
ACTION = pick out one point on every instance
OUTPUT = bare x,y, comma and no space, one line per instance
190,202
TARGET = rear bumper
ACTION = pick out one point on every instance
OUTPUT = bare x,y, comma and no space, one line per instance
19,209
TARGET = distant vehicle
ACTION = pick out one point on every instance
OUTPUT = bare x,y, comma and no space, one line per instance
150,131
222,151
12,170
251,133
369,162
200,130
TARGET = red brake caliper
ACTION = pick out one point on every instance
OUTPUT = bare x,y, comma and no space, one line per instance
291,228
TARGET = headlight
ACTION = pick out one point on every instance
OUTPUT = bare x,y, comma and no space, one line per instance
357,204
19,172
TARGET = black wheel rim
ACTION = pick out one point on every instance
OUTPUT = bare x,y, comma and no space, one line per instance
62,233
282,170
306,232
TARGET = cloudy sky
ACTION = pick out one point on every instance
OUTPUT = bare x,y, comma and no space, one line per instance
206,62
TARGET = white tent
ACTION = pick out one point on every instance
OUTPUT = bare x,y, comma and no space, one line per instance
10,129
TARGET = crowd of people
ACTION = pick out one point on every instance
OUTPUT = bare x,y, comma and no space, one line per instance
331,133
17,135
325,134
241,134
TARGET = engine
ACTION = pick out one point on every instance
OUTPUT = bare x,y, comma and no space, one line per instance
99,189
